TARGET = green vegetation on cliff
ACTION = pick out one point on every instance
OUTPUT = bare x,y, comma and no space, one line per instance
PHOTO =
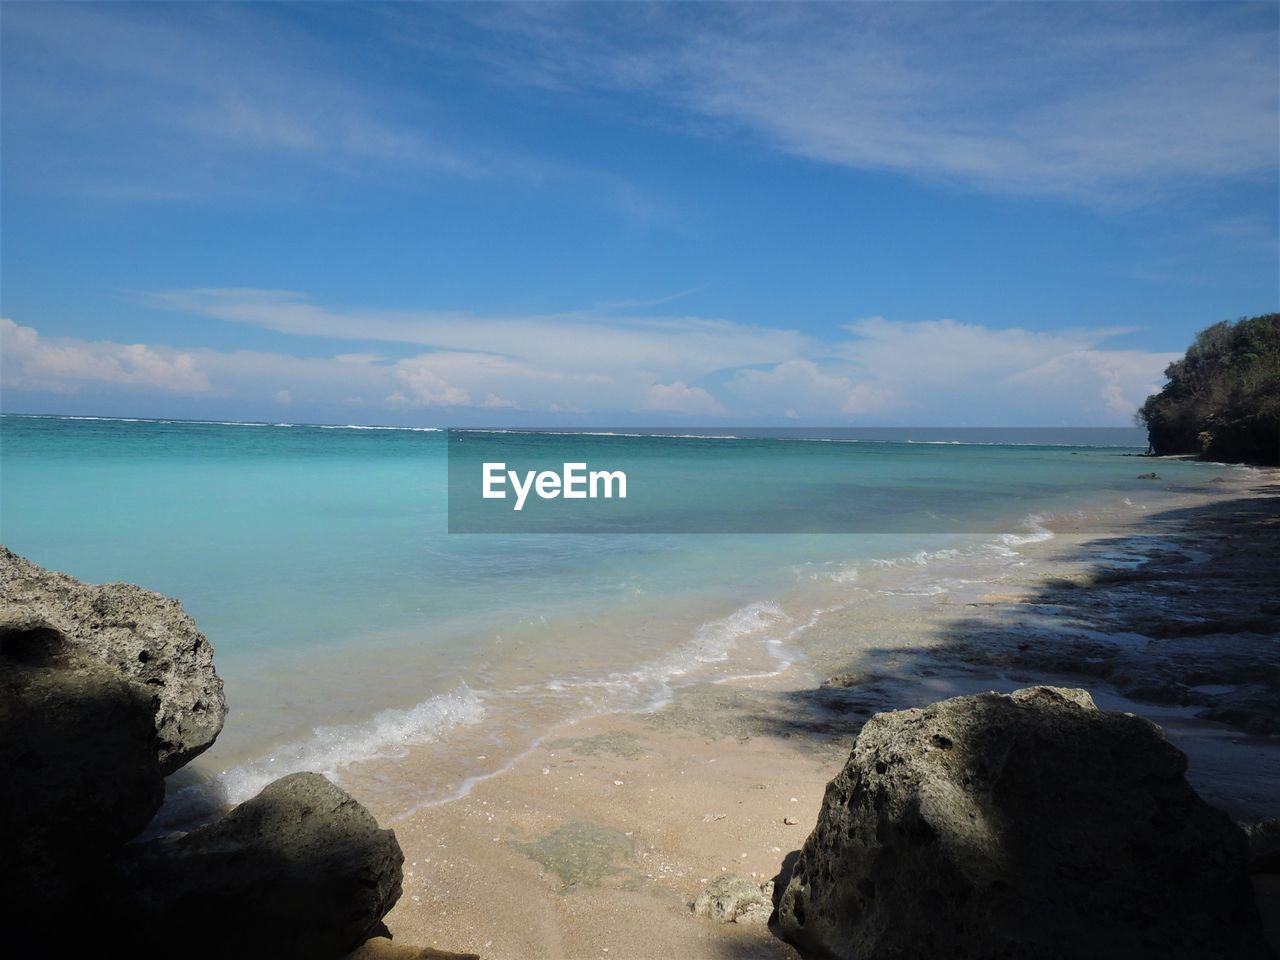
1222,400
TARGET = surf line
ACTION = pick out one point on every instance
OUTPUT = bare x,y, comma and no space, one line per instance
573,482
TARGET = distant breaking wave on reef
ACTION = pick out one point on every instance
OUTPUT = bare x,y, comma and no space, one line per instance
1098,437
223,423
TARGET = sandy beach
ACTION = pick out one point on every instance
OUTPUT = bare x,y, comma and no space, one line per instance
596,841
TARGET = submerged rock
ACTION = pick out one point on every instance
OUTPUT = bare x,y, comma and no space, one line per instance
147,637
81,776
733,899
301,870
1024,825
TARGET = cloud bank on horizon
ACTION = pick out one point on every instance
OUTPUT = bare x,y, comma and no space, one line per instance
605,369
1079,186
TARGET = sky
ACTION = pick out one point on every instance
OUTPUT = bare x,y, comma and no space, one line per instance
854,214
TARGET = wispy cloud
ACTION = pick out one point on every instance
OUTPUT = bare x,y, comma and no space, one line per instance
581,343
182,93
1102,102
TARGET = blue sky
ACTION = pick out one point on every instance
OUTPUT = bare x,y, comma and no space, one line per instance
943,214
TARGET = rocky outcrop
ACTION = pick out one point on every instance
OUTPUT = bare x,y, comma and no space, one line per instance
81,777
1024,825
146,637
103,691
1222,399
302,868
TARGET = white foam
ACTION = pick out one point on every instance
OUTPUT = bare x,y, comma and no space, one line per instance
1038,532
331,749
651,685
713,641
918,559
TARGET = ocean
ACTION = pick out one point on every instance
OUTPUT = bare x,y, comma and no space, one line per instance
354,632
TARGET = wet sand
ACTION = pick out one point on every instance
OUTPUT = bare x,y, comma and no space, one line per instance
595,842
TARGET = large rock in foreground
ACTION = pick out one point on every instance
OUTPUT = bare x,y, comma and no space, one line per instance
301,870
145,636
1031,825
78,755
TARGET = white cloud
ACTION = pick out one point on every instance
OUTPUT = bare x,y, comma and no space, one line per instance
877,370
63,364
679,397
801,389
991,375
428,388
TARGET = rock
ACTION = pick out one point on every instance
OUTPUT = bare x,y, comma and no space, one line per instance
1019,826
733,899
1264,846
790,821
81,776
1149,476
1251,707
145,636
381,948
301,867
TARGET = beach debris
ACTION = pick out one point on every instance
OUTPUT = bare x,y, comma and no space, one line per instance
731,898
713,817
790,821
1027,824
1149,476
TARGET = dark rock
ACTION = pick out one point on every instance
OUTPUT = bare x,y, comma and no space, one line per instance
144,636
81,777
1019,826
1252,707
383,949
1264,846
301,870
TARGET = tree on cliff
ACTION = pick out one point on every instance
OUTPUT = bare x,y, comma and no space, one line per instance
1222,400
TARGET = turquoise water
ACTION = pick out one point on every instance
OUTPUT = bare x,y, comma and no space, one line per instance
351,626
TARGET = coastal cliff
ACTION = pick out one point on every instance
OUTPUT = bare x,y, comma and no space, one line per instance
1222,401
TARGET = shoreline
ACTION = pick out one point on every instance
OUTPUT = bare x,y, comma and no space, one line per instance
765,630
594,840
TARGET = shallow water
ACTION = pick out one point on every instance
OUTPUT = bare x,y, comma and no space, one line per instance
351,628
